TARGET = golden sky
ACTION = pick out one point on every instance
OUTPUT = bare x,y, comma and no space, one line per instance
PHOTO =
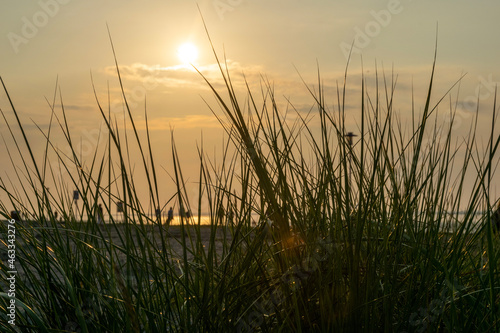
64,41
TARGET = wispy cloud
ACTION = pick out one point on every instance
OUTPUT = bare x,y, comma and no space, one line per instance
183,76
186,122
289,90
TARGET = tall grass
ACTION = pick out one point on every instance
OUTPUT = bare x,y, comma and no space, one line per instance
348,237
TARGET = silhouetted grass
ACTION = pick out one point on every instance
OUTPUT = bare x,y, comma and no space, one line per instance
349,237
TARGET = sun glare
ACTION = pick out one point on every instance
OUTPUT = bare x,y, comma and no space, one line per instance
187,53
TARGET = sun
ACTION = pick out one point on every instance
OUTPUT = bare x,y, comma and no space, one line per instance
187,53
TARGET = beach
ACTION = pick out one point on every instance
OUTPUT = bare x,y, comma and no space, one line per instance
115,238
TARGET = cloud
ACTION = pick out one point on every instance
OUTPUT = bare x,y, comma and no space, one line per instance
73,107
183,76
186,122
289,89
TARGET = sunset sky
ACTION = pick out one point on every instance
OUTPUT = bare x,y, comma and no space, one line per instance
65,41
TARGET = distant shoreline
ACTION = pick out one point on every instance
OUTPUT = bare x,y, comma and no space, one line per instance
205,221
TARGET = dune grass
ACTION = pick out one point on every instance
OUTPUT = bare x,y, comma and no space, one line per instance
348,237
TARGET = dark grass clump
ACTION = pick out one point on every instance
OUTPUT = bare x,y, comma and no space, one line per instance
309,231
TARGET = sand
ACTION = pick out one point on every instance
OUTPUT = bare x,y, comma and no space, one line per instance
172,236
110,234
